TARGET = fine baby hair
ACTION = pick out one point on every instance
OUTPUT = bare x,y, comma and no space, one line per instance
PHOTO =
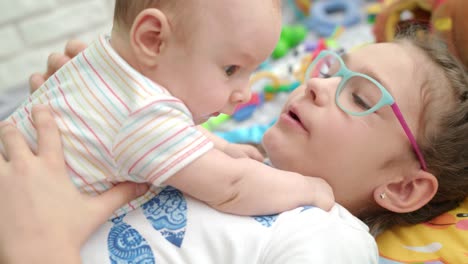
125,11
444,128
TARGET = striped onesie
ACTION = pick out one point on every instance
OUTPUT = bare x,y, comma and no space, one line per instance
116,124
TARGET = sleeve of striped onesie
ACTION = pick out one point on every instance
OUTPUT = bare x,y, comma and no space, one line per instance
157,141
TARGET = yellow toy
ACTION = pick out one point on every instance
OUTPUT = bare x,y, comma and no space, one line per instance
441,240
303,6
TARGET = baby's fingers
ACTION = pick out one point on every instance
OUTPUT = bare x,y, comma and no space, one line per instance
254,153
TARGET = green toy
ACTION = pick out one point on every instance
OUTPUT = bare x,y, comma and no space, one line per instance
214,122
290,37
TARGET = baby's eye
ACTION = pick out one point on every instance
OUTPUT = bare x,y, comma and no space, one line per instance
231,69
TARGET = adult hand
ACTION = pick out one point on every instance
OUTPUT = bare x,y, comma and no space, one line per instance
45,219
55,62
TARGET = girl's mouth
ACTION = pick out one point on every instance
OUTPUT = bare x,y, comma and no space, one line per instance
292,117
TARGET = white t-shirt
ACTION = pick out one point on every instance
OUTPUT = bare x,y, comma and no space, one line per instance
172,229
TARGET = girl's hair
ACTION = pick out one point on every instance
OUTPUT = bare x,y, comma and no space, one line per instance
444,133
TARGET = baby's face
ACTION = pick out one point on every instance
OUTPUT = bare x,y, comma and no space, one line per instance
228,41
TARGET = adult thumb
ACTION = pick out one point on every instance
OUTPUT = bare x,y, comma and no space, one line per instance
117,197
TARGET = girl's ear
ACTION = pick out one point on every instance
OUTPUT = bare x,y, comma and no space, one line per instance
148,36
407,194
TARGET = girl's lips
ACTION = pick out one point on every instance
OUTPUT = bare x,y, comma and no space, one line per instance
292,118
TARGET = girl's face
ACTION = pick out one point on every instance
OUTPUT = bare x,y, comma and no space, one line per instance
313,136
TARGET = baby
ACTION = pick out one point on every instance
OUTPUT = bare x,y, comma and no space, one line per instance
129,105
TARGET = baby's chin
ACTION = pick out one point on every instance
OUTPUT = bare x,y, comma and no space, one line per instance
202,119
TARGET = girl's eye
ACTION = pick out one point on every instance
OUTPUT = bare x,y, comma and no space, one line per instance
360,102
231,69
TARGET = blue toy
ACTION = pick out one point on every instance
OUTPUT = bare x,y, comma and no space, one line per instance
245,111
323,19
253,134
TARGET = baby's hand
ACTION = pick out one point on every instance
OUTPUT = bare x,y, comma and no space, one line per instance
324,197
243,151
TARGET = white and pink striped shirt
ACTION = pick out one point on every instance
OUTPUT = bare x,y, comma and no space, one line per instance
116,124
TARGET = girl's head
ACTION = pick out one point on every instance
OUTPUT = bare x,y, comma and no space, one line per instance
368,157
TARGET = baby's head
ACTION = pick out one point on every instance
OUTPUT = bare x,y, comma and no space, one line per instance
368,159
201,51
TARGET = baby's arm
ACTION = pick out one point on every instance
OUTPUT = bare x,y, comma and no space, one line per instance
231,149
248,187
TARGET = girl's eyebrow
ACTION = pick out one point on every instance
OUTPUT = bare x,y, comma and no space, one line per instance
366,69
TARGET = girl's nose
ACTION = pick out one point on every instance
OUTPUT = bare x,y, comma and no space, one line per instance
319,90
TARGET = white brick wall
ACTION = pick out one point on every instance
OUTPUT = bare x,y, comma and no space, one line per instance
31,29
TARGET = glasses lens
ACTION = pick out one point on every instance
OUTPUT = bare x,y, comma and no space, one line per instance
324,67
359,95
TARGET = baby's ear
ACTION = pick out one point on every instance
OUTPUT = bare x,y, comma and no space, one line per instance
408,193
148,36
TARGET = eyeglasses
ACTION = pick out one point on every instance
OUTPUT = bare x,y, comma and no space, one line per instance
358,94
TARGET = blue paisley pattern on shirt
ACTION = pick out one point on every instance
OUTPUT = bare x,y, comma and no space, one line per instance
127,246
167,213
307,207
266,220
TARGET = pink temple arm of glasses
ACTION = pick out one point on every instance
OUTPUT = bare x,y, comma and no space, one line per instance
410,136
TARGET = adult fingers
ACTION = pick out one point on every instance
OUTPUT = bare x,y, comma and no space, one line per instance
2,157
115,198
35,81
14,144
74,47
55,62
48,135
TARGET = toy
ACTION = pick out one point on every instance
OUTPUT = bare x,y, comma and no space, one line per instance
323,21
214,122
303,6
290,37
372,12
281,88
244,111
441,240
305,62
446,18
253,134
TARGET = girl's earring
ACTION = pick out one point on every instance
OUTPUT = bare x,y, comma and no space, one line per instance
382,195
